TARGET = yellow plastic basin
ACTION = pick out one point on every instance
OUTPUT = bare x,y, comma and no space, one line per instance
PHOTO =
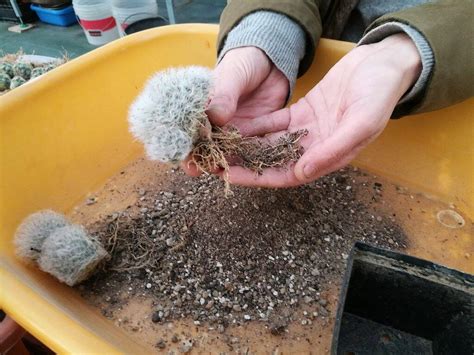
63,136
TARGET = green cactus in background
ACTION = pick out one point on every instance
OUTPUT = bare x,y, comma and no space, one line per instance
16,82
50,66
23,70
38,71
7,68
4,81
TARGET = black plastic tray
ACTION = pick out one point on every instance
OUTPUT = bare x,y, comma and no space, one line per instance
392,303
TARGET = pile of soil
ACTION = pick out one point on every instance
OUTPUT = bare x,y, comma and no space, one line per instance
256,255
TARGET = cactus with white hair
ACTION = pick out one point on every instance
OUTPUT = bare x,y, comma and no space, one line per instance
58,247
34,230
71,255
169,112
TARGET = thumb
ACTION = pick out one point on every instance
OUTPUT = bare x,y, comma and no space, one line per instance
228,86
221,109
240,72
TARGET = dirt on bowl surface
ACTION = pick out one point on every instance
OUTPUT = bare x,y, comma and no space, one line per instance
260,255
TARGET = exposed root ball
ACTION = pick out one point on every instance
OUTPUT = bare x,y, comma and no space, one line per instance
33,231
252,153
71,255
169,112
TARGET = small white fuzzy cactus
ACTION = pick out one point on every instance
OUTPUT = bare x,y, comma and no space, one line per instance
169,112
71,255
60,248
34,230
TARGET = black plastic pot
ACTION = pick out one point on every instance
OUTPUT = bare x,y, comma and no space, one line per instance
392,303
146,24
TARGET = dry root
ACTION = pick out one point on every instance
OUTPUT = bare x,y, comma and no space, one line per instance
131,246
214,150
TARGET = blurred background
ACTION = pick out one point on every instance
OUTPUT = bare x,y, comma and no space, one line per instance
54,27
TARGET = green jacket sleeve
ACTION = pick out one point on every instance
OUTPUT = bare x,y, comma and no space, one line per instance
304,12
448,28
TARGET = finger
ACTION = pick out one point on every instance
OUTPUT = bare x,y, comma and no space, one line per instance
221,109
228,86
190,168
239,72
259,126
334,152
338,165
275,178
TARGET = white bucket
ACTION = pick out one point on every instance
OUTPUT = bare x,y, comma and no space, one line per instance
95,18
127,12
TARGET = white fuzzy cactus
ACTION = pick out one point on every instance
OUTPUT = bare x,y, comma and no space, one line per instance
34,230
71,255
59,247
168,114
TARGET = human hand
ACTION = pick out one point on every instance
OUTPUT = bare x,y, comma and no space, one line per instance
246,84
343,113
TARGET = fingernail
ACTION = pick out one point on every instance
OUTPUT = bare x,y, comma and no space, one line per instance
213,107
309,170
219,104
217,114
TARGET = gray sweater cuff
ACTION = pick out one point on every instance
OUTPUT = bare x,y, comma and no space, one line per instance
282,40
426,53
